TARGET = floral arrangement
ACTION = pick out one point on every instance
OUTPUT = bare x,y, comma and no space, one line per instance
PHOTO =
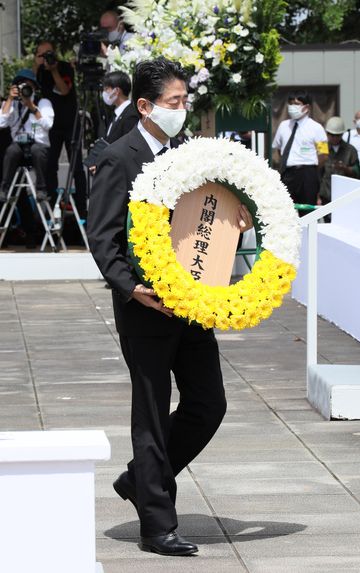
156,191
229,47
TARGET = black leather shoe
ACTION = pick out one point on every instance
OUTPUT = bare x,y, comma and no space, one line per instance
170,544
125,489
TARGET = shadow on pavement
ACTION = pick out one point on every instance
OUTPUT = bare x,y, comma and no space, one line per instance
204,526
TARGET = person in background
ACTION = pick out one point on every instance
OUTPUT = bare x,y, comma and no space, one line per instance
301,147
116,91
29,118
118,33
5,139
56,78
352,136
342,159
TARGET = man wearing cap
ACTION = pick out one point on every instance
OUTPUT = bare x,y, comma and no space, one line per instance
342,159
352,136
30,118
302,145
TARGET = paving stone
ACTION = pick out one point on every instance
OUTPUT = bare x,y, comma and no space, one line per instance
277,488
280,505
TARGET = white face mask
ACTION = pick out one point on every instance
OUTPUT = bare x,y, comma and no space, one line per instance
357,123
114,35
169,120
295,111
109,97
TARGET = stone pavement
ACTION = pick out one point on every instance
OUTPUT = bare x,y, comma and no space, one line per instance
278,488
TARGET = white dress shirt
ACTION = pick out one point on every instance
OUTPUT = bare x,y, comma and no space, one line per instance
308,134
154,144
354,139
118,111
37,128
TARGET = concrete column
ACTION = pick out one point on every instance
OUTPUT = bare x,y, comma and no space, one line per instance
10,33
10,28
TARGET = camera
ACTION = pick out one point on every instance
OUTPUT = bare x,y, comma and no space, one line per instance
90,44
90,48
24,138
50,57
25,90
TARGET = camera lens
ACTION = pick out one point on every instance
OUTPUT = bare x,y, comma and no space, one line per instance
25,90
50,58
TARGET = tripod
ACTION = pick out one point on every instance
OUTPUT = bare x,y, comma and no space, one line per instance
78,138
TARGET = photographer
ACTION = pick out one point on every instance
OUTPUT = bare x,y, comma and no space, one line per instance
30,120
56,78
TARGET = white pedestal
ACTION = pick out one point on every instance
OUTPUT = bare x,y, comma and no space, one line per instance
334,390
47,500
338,263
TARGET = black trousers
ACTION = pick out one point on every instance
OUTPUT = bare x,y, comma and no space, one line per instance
58,138
14,155
164,443
303,184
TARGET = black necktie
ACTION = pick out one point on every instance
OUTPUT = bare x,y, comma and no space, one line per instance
285,155
163,150
113,120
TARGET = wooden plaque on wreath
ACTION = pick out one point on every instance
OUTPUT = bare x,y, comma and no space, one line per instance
205,233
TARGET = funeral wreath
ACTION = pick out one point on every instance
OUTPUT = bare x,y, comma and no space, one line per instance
156,191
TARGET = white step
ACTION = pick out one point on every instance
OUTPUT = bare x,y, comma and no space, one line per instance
334,390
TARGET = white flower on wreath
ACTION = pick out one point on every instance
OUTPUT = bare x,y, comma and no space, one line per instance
231,47
202,90
189,166
259,58
236,78
248,48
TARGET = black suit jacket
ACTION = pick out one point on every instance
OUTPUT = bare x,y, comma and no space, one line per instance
118,167
123,124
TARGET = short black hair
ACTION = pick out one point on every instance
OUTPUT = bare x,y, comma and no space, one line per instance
150,77
118,80
302,96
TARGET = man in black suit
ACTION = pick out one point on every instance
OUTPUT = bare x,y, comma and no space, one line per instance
153,341
117,87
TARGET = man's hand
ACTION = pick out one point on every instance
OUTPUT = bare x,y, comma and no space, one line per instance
244,218
146,296
50,67
29,103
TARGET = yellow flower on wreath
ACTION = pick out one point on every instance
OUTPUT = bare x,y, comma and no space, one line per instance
238,306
